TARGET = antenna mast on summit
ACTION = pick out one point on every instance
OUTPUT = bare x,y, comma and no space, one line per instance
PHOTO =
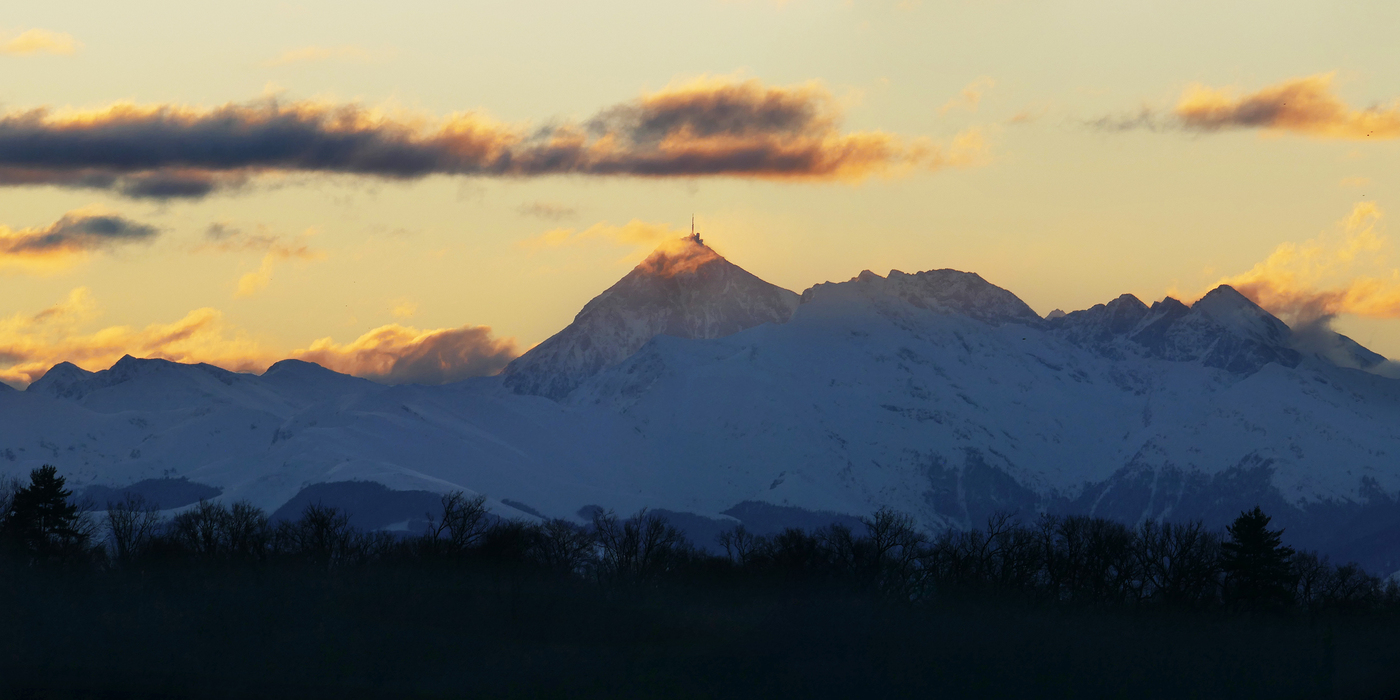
694,235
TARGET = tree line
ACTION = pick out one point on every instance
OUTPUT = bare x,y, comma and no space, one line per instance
1057,560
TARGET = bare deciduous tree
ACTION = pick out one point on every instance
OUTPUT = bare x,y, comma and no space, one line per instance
564,547
131,526
638,549
461,524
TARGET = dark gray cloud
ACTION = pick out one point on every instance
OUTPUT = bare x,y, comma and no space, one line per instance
721,128
76,232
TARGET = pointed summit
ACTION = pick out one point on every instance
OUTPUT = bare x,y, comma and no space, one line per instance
684,288
63,380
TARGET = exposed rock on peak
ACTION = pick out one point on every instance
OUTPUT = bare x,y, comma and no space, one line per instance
1223,330
684,289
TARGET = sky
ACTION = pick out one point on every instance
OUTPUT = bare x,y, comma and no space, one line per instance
419,191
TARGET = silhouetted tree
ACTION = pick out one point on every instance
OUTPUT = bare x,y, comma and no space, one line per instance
462,522
563,547
131,527
1256,563
895,545
740,545
639,549
1178,564
322,536
41,523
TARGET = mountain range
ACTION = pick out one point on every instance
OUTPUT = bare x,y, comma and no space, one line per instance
698,389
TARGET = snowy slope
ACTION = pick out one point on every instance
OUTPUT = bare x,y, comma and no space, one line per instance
936,393
684,289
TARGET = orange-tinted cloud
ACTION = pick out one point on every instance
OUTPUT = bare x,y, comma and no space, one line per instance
225,238
1305,106
1328,275
396,354
31,344
970,96
37,41
709,127
634,233
74,235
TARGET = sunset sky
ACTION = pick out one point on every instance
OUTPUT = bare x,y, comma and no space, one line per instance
417,191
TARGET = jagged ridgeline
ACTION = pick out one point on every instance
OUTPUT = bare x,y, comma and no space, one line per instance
694,387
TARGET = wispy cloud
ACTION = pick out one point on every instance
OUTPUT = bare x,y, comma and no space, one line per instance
970,96
32,343
37,41
633,233
1305,106
711,127
226,238
1342,271
73,236
315,54
547,210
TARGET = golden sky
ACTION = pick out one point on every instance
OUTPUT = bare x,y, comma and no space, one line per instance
417,191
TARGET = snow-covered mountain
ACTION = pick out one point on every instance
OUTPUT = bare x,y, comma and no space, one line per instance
683,289
936,393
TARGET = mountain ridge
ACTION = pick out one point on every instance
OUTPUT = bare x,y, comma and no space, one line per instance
937,393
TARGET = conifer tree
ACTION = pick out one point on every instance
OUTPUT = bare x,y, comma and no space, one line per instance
41,524
1256,563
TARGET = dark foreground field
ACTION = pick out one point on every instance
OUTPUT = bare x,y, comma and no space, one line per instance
223,602
454,632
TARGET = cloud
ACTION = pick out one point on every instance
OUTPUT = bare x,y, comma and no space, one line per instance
313,54
1355,182
396,354
546,210
711,127
36,41
1028,116
255,282
405,308
970,96
225,238
1339,272
73,236
1305,106
634,233
32,343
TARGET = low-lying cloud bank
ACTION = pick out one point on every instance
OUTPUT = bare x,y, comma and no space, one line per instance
396,354
1305,106
708,127
32,343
